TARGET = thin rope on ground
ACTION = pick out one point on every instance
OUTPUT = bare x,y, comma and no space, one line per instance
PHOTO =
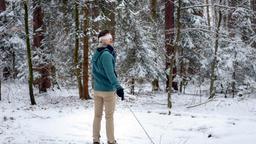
140,124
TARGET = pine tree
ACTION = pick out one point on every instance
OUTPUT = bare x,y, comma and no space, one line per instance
139,60
6,46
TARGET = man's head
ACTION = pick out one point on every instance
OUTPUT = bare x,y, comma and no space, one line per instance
105,37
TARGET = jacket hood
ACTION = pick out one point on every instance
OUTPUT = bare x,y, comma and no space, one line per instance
108,47
100,50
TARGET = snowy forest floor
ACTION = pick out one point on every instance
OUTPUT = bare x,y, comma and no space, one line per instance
61,118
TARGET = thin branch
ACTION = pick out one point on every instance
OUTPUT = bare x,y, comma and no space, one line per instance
192,106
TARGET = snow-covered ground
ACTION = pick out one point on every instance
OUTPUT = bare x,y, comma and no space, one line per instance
61,118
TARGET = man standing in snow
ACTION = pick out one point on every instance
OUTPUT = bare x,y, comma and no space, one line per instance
105,85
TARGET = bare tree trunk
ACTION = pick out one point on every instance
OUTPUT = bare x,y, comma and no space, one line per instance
1,83
225,17
0,89
214,63
254,9
176,45
153,5
253,5
173,52
14,73
155,85
233,84
2,8
181,70
208,15
37,25
169,101
169,27
132,86
38,36
154,8
65,12
76,61
29,57
231,22
86,53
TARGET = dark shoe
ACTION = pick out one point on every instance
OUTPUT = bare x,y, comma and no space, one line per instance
96,143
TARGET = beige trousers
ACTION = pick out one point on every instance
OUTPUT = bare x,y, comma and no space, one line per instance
108,101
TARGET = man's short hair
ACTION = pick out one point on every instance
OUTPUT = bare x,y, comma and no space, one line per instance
103,33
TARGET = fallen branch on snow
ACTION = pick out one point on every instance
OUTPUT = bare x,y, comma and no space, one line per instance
192,106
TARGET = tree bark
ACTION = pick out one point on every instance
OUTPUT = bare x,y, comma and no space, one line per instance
173,50
181,70
65,12
38,36
225,17
176,47
29,57
233,83
95,13
154,9
169,34
76,54
132,86
155,85
14,71
169,27
231,23
208,15
86,53
37,25
214,63
0,89
153,5
253,5
2,6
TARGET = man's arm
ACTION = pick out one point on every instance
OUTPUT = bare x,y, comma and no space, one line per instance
107,61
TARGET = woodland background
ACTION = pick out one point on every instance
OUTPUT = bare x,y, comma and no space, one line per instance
169,43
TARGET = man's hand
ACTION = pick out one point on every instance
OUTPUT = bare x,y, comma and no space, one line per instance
120,93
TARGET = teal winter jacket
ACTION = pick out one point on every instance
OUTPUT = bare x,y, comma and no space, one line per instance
103,70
